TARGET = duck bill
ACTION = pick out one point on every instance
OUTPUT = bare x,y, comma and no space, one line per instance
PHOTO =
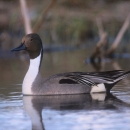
19,48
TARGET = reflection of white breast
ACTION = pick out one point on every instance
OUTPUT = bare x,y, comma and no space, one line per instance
98,96
34,115
31,75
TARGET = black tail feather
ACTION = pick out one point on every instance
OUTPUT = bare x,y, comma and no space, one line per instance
119,78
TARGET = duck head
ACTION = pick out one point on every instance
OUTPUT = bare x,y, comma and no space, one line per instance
32,44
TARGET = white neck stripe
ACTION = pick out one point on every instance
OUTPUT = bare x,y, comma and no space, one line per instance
31,75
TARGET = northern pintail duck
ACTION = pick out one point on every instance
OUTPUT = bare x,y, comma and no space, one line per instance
63,83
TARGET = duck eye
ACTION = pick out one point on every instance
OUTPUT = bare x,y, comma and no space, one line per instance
31,39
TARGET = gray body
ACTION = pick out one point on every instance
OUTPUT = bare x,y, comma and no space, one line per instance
51,86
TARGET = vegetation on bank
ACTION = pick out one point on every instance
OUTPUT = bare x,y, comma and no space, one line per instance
68,22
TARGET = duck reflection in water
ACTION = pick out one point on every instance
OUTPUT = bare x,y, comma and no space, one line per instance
33,105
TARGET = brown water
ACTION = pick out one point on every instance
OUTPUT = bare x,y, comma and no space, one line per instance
75,112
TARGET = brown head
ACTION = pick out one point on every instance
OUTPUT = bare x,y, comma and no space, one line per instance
32,44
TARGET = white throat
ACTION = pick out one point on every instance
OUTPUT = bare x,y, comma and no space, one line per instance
31,75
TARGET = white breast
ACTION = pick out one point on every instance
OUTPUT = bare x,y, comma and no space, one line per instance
31,75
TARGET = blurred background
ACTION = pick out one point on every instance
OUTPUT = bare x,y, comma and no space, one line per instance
70,22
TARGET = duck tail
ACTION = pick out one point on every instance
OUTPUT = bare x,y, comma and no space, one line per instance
122,76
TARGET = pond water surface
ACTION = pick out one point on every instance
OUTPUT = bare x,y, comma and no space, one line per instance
66,112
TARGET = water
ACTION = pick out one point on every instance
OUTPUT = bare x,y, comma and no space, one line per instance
66,112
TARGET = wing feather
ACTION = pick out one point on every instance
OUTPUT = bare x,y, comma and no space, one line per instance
93,78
